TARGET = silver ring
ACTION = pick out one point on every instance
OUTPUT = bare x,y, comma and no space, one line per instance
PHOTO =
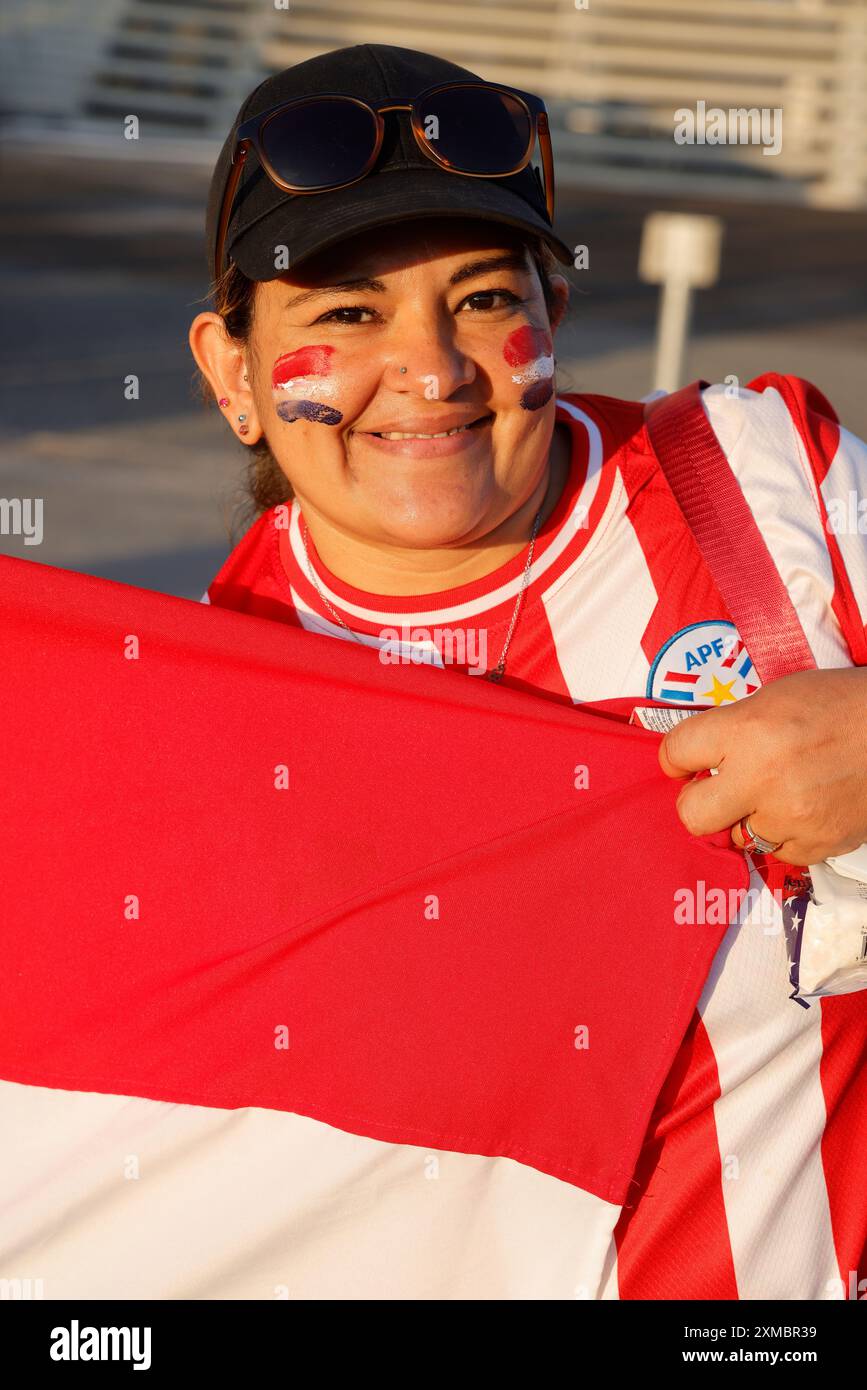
754,842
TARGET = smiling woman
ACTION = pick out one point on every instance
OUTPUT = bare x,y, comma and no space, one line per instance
382,340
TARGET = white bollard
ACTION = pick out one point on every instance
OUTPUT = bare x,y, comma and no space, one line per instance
681,252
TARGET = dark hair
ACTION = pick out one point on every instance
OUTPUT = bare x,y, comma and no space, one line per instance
234,299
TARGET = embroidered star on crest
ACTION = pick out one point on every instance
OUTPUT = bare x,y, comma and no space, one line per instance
720,691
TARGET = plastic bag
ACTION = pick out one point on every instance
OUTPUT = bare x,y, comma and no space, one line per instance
826,928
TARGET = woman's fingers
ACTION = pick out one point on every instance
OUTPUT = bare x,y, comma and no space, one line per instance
696,743
792,757
710,803
743,750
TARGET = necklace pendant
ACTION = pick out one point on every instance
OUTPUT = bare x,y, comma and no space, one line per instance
497,673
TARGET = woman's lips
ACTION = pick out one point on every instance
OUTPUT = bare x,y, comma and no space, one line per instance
432,448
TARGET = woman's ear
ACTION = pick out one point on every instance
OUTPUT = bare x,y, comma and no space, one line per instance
222,362
560,286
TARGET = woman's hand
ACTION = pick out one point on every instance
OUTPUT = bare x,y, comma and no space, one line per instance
792,757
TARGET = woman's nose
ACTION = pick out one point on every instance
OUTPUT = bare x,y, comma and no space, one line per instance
431,367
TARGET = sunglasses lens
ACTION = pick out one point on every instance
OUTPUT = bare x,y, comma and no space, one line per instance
476,131
319,144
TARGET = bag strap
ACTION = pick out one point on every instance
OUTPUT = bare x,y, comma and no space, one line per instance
718,514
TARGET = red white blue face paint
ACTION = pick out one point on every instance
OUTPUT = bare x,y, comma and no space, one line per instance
297,379
529,351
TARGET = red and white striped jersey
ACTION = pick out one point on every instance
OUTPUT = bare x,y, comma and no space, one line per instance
751,1179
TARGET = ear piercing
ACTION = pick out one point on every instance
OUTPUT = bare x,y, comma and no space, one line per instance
244,428
403,369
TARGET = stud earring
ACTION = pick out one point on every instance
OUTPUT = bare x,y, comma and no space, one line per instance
245,429
224,400
403,369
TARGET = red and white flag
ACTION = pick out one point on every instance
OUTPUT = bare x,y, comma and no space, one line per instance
321,976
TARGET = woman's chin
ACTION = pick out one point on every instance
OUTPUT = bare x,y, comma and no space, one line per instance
427,518
426,531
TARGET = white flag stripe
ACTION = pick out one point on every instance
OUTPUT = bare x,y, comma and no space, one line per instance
305,386
535,371
247,1203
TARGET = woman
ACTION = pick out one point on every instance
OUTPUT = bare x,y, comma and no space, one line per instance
382,342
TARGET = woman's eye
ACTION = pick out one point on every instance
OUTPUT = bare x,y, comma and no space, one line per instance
481,300
337,315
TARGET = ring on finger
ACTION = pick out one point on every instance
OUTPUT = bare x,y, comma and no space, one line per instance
754,843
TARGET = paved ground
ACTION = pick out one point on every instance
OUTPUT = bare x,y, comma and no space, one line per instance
103,267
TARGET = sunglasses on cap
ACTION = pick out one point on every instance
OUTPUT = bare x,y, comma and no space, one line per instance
320,143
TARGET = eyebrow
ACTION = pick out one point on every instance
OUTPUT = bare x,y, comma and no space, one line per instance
513,260
359,283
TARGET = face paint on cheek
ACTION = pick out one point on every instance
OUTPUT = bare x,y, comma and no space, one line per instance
301,409
537,395
530,350
296,377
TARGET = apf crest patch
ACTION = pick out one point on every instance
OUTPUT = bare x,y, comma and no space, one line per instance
704,664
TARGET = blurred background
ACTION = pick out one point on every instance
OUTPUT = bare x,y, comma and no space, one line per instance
102,237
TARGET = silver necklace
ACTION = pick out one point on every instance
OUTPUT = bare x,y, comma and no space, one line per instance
494,675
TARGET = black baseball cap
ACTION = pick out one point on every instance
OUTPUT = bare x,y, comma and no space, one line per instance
404,184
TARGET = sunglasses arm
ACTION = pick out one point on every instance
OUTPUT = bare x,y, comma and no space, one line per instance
238,160
544,136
